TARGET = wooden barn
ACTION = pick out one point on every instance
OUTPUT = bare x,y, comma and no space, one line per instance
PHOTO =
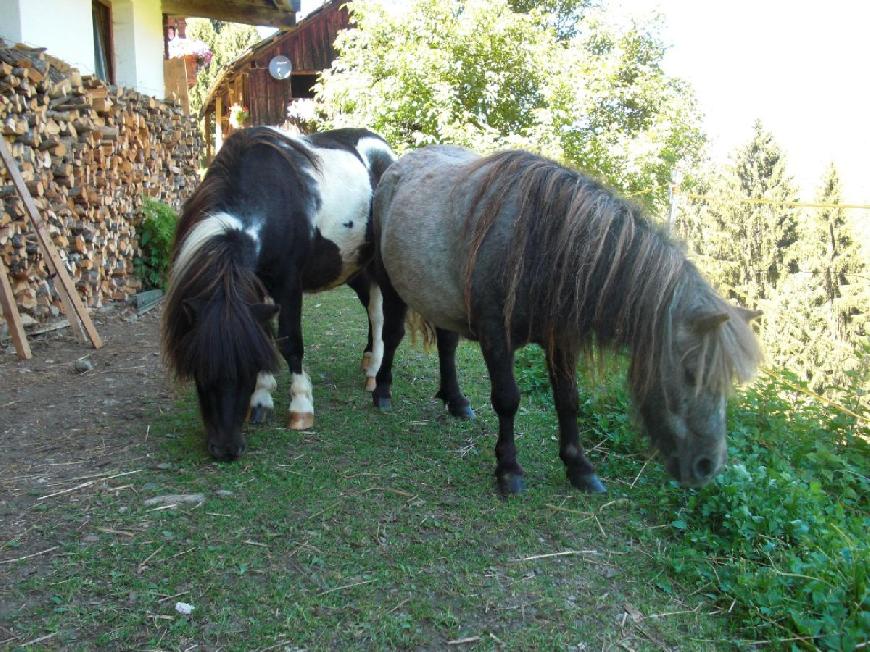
249,83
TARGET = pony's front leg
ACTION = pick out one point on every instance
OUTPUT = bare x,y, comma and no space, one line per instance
301,412
505,397
262,405
562,369
449,391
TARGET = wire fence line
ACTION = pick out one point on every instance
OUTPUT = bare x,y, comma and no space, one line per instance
764,201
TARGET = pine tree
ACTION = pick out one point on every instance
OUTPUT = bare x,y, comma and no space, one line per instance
831,252
745,234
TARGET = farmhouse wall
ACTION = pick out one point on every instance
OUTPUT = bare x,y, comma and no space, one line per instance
65,26
89,154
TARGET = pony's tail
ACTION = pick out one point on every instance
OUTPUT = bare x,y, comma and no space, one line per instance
419,328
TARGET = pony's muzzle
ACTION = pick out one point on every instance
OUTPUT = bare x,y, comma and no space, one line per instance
695,472
226,452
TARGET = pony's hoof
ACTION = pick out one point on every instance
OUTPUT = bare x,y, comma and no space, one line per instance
588,482
511,484
382,403
301,420
371,383
260,414
366,361
461,411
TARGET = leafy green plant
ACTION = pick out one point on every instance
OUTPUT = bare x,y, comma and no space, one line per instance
156,231
782,534
779,538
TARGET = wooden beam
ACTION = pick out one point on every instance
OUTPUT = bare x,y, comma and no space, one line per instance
13,318
218,117
250,12
73,307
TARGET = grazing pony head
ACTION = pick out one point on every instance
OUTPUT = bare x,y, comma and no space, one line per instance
680,387
593,271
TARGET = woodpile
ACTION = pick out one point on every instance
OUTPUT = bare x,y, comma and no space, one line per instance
89,154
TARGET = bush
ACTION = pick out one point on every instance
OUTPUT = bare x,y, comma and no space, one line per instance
782,534
156,232
779,539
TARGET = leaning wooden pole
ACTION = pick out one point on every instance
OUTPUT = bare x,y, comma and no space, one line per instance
73,307
13,319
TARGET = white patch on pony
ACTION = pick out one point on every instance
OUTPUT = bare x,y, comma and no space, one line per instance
376,319
367,145
262,396
254,231
301,396
205,230
345,199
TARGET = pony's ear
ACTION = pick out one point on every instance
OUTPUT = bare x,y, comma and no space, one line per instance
748,315
192,308
263,312
709,321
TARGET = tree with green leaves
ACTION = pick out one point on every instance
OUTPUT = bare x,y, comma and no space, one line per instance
564,15
227,41
480,74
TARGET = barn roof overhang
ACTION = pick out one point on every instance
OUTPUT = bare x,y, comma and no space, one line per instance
230,71
274,13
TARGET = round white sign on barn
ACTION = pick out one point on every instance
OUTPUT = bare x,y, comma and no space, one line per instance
280,67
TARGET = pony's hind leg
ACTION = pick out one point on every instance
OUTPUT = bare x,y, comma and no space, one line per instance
262,405
362,284
376,336
394,310
449,391
505,397
562,370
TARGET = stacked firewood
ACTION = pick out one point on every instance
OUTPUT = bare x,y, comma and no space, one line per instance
89,153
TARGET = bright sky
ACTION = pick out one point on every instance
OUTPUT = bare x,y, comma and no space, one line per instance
799,66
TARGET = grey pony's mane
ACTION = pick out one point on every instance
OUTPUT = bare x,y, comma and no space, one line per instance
590,262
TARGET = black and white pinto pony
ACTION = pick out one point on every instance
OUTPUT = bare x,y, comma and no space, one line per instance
275,216
514,249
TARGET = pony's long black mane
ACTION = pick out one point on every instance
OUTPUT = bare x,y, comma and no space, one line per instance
589,263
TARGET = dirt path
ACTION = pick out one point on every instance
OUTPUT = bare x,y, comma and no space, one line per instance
61,428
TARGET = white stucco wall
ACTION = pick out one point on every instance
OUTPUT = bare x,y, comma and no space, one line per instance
138,34
65,28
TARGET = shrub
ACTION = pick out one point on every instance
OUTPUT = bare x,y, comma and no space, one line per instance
779,539
782,533
156,231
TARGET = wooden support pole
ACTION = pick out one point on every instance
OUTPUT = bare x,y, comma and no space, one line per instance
13,319
73,307
218,118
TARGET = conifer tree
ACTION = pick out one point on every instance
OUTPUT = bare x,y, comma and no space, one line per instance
746,232
830,251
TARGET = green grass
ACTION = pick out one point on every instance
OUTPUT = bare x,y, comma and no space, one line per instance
381,530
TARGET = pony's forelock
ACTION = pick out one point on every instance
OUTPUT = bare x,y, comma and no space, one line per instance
209,332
